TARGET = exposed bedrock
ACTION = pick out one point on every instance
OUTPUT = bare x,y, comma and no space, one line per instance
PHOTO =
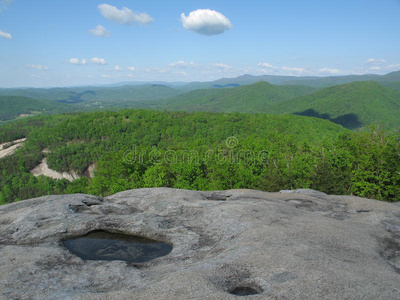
225,245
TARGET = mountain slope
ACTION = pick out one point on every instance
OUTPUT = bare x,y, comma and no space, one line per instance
252,98
351,105
312,81
106,96
12,107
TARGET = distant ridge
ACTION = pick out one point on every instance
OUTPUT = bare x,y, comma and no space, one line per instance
252,98
311,81
351,105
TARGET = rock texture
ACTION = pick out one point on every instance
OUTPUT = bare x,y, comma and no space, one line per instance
11,149
292,245
43,169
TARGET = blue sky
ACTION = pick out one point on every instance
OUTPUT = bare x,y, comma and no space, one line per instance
46,43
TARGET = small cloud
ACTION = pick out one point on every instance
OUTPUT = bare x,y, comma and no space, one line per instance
266,65
106,76
206,22
373,61
5,35
221,66
76,61
124,16
294,69
83,61
330,71
182,73
181,64
98,61
375,68
37,67
131,68
117,68
99,31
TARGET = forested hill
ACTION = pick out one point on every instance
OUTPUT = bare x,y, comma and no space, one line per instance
311,81
12,107
352,105
253,98
201,151
106,96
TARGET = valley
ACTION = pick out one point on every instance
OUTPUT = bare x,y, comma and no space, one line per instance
342,139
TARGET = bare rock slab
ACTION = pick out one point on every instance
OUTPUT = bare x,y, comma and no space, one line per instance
236,244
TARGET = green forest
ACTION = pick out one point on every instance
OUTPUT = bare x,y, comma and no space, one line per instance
201,151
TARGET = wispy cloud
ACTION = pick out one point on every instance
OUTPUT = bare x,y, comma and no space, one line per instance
131,68
275,70
266,65
99,31
117,68
374,61
38,67
124,16
98,61
76,61
293,69
5,35
4,4
206,22
83,61
182,64
221,66
329,71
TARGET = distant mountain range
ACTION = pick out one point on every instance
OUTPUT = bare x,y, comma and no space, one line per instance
311,81
254,98
352,101
351,105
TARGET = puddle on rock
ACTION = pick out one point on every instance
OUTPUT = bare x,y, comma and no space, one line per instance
244,291
102,245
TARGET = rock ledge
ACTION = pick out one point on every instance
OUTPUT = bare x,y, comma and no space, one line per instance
289,245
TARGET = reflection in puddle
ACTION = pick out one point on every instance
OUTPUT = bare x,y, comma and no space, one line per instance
102,245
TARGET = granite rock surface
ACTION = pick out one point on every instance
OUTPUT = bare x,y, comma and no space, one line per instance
299,244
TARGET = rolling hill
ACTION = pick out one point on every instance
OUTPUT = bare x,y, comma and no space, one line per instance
251,98
311,81
352,105
12,107
104,96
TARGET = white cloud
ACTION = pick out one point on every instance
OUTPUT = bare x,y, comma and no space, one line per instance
374,61
76,61
221,66
266,65
131,68
375,68
83,61
330,71
98,61
106,76
293,69
117,68
206,22
182,73
394,66
182,64
99,31
5,35
124,15
37,67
